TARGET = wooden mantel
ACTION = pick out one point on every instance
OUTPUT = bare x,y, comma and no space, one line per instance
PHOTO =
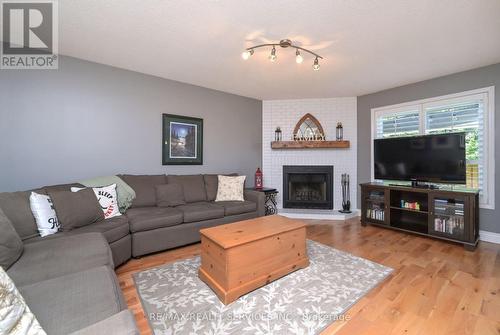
310,144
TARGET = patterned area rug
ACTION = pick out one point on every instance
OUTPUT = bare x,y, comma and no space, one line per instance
304,302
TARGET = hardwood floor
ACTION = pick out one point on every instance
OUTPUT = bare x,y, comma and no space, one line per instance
436,287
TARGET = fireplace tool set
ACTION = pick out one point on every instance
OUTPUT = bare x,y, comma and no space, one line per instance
346,194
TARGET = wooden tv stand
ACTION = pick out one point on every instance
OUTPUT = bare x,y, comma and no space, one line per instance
444,213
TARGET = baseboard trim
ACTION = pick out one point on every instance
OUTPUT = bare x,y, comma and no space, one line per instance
488,236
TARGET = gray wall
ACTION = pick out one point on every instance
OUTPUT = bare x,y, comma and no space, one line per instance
88,119
458,82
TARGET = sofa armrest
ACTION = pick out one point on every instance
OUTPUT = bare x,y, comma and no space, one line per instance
122,323
259,198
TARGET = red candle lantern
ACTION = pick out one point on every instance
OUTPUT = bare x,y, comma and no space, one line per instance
258,179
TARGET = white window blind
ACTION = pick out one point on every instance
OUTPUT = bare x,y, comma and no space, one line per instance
404,123
458,117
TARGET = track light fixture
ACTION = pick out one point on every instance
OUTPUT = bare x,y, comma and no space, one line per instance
284,44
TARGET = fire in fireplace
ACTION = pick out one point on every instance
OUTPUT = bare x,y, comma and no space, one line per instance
308,186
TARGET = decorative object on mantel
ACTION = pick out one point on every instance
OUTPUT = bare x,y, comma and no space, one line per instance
308,134
346,194
182,140
258,179
339,132
286,43
308,129
277,134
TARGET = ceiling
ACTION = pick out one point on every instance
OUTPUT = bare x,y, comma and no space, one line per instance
368,45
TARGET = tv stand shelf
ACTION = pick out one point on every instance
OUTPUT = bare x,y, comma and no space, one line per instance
446,214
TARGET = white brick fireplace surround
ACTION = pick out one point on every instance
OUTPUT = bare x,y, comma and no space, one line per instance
286,114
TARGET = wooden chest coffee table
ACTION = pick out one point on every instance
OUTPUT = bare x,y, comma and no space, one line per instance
239,257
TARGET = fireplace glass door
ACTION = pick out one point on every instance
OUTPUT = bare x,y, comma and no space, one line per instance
308,187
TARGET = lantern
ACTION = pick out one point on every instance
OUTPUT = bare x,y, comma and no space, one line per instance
339,132
258,179
277,134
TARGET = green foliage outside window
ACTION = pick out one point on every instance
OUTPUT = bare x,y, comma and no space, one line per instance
472,145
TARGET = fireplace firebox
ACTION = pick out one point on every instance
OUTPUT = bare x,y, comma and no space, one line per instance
308,186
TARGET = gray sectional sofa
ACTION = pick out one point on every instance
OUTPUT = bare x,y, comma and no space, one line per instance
68,278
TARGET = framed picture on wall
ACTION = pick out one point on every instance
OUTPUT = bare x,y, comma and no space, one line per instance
182,140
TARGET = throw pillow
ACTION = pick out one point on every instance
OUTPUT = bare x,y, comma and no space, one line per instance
211,184
192,185
11,246
76,209
169,195
144,188
15,315
230,188
125,193
106,195
44,213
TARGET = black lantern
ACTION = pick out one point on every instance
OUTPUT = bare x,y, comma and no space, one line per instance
339,132
277,134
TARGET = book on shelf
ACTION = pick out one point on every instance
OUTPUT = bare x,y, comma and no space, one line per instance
450,225
375,214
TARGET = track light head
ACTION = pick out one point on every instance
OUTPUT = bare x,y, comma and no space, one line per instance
298,57
272,56
246,54
316,64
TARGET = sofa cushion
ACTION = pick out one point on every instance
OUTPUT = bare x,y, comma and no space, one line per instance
16,206
76,209
11,246
192,185
201,211
144,187
211,184
65,304
147,218
54,257
169,195
113,229
237,207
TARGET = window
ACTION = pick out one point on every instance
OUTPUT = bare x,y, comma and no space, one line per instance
471,112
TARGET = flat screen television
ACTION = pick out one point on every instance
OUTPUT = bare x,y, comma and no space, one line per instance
429,158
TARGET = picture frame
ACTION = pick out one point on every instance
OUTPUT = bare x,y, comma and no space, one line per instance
182,140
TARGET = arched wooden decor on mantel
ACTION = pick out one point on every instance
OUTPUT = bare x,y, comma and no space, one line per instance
309,134
308,129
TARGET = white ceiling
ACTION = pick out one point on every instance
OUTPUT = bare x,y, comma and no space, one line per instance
368,45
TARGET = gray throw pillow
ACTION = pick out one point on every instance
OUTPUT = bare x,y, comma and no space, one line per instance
11,246
169,195
76,209
192,185
144,187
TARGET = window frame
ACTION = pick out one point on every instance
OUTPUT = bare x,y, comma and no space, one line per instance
487,94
